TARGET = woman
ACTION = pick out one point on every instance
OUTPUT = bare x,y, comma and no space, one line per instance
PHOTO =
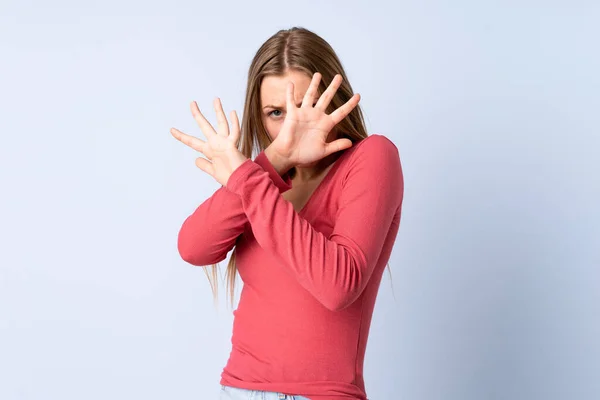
312,221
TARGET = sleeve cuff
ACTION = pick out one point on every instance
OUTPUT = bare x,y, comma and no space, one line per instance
283,183
238,176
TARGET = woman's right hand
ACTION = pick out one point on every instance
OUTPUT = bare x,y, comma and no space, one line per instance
302,139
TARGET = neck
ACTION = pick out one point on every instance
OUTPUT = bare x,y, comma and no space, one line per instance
305,174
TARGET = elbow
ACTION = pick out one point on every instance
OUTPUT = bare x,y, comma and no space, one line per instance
195,254
339,301
198,258
186,250
188,254
346,290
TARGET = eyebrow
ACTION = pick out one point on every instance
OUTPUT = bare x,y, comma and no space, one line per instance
272,106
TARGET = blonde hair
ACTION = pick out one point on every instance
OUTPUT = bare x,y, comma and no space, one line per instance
289,49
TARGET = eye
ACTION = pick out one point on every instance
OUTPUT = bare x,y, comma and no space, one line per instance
271,113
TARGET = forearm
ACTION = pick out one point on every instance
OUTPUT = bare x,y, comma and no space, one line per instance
211,231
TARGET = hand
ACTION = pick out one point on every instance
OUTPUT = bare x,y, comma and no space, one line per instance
220,149
303,135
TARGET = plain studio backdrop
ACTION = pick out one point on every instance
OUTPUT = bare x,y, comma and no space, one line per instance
494,107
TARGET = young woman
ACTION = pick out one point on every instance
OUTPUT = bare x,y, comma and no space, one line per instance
311,220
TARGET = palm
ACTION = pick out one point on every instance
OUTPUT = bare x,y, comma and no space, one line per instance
311,127
220,149
303,135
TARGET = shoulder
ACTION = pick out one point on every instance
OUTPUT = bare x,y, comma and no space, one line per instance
377,139
373,168
375,150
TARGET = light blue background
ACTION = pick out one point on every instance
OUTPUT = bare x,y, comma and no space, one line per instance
493,105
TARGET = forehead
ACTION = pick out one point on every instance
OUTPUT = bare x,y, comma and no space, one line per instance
273,88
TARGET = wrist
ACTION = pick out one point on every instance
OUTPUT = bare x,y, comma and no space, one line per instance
278,162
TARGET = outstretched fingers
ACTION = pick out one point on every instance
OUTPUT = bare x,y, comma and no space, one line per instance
328,94
191,141
289,97
222,124
204,125
311,92
205,166
341,113
337,145
235,129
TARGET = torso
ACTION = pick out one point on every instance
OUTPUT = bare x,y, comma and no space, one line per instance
280,326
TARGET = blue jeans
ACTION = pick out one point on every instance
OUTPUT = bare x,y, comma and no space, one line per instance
232,393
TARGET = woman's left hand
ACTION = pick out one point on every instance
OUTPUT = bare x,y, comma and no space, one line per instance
222,155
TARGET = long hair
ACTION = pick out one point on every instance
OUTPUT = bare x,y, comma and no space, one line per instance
289,49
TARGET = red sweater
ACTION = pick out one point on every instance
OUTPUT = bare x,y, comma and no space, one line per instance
310,277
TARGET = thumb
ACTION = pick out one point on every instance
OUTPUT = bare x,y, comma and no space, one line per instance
205,166
337,145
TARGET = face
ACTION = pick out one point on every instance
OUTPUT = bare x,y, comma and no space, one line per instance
273,95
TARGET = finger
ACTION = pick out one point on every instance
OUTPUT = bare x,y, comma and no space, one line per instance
204,125
193,142
235,122
345,109
289,98
311,92
337,145
222,124
205,166
328,94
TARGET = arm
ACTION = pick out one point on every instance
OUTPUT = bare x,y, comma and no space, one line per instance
208,234
336,268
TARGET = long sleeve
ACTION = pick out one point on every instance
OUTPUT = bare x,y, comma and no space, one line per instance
210,232
336,268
